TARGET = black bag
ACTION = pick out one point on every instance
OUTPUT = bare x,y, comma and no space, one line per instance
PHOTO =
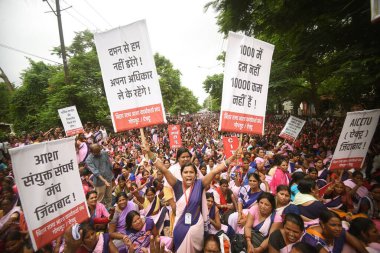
257,238
238,244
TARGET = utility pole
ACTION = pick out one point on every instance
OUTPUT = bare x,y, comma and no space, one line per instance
63,49
57,12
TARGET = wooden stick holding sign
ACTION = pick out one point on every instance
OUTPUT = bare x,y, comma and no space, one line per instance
143,142
340,175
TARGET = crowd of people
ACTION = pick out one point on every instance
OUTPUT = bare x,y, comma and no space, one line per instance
271,195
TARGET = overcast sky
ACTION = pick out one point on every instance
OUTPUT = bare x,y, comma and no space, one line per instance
179,30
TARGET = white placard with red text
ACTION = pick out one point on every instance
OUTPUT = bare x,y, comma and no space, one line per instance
175,136
354,140
50,189
230,145
70,120
292,128
245,84
130,77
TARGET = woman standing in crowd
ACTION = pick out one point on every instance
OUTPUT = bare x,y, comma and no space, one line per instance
262,220
191,206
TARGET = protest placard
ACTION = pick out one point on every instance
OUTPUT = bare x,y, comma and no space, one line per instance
292,128
245,84
230,145
354,140
130,77
175,136
70,120
50,189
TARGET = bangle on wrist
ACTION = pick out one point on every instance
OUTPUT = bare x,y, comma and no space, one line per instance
156,160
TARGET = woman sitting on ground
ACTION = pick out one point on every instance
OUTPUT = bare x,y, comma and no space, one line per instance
228,203
329,236
282,240
283,204
139,231
116,227
262,220
306,200
214,216
152,206
366,232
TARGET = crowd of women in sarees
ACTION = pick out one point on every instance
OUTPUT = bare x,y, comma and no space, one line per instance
270,195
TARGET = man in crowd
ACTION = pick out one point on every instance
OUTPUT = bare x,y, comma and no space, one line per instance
99,164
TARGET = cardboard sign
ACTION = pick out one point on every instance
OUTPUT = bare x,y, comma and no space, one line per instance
292,128
130,77
245,85
50,189
70,120
354,140
175,136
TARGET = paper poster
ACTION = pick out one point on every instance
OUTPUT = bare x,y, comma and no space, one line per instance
230,145
130,77
245,84
292,128
175,136
354,140
50,189
70,120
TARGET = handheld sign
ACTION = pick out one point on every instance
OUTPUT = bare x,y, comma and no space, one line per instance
130,77
230,145
292,128
70,120
358,130
50,189
245,84
175,136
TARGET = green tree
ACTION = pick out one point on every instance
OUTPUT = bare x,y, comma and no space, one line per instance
29,99
170,80
322,47
214,86
35,104
185,102
212,104
5,95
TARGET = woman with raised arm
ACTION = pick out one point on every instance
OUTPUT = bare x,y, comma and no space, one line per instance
191,205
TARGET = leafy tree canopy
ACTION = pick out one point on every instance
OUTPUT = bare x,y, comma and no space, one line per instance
34,105
322,48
